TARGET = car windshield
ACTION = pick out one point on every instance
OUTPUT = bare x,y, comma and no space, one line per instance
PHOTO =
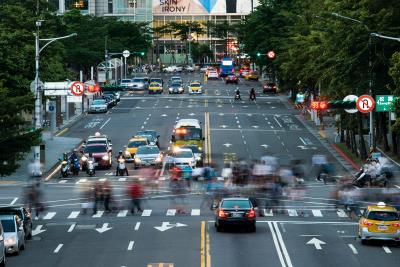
154,84
176,85
183,154
156,80
383,216
152,133
98,102
8,225
11,212
126,81
195,85
194,149
236,204
96,141
188,134
137,143
138,80
95,149
148,150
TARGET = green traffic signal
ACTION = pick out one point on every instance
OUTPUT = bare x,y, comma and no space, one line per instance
142,53
258,54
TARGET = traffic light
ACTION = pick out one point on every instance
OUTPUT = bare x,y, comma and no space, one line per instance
142,53
258,54
340,104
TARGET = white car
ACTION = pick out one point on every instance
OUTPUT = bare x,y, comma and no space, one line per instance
14,235
126,84
98,105
183,156
212,75
173,69
2,248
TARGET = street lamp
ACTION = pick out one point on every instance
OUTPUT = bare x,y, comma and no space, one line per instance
38,90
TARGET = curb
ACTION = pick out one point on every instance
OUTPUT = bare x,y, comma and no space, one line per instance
64,128
342,154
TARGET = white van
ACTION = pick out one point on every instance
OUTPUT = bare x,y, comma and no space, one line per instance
2,248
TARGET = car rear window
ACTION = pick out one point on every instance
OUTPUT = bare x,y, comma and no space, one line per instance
183,154
95,149
8,225
236,204
137,143
138,80
383,216
148,150
99,102
126,81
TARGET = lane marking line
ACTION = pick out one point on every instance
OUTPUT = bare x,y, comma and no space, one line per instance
71,228
280,125
49,215
317,213
278,250
122,213
353,249
104,124
130,246
387,250
62,132
98,214
341,213
202,244
62,181
302,140
284,250
146,213
195,212
73,215
292,212
137,226
58,248
14,200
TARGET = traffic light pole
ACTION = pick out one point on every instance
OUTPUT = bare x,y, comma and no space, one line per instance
372,143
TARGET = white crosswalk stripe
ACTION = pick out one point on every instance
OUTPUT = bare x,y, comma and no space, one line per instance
123,179
73,215
316,213
171,212
268,212
341,213
98,214
292,212
49,216
122,213
146,213
195,212
102,179
83,180
62,181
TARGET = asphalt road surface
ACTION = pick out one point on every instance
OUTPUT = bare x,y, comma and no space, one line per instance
309,231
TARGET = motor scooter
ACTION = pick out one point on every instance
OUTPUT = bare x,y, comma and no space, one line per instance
121,168
64,168
237,96
90,167
75,166
252,96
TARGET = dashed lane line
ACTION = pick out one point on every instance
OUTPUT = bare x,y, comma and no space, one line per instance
137,225
130,246
73,215
353,249
58,248
71,228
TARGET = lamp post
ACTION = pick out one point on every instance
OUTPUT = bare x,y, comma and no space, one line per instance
38,89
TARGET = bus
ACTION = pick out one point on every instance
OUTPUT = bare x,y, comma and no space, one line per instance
226,67
187,132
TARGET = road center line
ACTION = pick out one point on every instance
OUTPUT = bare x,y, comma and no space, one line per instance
14,200
58,248
104,124
284,250
137,226
130,246
278,250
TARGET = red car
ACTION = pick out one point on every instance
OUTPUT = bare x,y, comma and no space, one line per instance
231,78
101,154
270,87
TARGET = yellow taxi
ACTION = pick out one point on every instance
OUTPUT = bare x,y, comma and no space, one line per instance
252,76
133,145
155,88
195,88
380,222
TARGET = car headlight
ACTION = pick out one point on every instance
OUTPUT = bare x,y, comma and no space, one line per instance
10,241
84,158
170,89
127,153
180,89
137,160
105,157
200,148
158,159
198,158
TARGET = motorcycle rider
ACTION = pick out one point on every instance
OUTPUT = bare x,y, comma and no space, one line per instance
252,94
121,156
237,95
72,158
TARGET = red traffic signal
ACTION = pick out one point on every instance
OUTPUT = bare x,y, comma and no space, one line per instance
271,54
319,105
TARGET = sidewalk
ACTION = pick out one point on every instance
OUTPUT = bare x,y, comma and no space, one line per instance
54,148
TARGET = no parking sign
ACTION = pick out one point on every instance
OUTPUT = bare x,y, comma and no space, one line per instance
365,104
77,88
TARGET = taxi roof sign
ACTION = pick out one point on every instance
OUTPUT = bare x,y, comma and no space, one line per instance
381,204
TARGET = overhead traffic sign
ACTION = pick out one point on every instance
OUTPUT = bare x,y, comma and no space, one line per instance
126,53
365,104
77,88
351,98
384,103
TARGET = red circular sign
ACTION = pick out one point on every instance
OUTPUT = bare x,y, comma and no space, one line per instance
77,88
271,54
365,104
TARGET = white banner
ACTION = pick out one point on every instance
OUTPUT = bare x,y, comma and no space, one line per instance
57,92
74,99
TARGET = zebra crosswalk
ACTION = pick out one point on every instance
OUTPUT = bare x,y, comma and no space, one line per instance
315,213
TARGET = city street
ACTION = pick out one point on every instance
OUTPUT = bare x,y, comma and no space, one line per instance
307,231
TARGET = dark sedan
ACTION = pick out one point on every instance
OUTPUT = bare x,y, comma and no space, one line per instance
23,214
270,87
231,78
235,212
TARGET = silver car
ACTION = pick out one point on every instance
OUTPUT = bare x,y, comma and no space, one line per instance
126,84
14,235
2,248
140,83
147,156
183,156
98,105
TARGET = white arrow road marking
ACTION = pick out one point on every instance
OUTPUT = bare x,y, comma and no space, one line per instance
227,145
137,226
38,230
122,213
104,228
71,228
73,215
98,214
49,215
166,226
316,213
316,242
341,213
386,249
58,248
130,246
353,249
195,212
265,146
171,212
146,213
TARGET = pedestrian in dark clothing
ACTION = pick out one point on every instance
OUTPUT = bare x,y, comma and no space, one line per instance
107,190
98,196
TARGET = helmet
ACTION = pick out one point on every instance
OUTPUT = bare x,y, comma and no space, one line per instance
120,152
75,150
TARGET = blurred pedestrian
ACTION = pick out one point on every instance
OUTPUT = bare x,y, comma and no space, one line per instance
135,193
107,195
97,196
